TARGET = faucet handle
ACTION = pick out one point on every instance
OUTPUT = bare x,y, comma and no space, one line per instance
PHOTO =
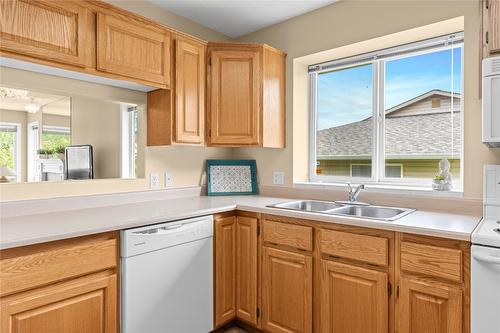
349,185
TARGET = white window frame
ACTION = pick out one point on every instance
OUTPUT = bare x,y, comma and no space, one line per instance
127,139
378,60
33,129
17,148
56,129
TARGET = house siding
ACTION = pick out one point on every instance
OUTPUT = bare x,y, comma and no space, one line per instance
411,168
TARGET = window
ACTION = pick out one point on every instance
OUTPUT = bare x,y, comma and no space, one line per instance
33,146
129,128
10,146
389,116
54,137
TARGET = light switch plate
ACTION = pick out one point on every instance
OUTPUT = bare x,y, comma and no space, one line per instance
168,179
154,180
278,178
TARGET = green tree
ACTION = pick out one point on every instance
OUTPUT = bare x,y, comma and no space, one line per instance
7,149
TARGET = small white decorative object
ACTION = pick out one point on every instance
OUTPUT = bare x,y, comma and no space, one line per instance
443,180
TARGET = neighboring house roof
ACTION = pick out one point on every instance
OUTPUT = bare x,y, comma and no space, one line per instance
412,130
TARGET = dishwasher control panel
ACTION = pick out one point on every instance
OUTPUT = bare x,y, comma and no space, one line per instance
140,240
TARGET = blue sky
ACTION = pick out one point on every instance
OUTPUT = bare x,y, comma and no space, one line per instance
345,96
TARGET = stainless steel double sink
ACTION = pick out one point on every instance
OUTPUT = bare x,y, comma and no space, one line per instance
345,209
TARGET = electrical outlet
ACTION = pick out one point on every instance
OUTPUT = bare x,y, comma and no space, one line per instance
154,180
278,178
168,179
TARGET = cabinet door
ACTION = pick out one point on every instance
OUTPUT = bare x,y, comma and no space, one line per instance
82,305
353,299
49,30
235,98
494,26
189,91
225,269
246,269
426,307
286,292
128,48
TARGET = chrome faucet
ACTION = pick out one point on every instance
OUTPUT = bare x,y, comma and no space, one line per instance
354,192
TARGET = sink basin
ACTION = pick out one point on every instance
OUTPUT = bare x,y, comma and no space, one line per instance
372,212
345,209
308,205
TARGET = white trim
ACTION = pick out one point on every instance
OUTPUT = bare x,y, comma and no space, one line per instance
419,47
56,129
127,139
383,188
33,144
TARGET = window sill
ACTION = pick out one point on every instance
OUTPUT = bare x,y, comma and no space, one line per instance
386,188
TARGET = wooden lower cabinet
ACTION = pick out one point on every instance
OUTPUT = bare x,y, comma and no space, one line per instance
246,269
81,305
235,269
427,307
225,269
353,299
63,286
286,291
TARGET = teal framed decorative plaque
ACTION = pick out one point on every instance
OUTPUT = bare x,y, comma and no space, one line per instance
231,177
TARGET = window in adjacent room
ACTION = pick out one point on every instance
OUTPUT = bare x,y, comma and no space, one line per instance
10,148
389,116
55,137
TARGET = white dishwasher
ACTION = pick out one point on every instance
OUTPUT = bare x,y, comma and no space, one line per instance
167,277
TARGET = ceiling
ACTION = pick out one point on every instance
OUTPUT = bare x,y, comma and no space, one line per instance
235,18
49,104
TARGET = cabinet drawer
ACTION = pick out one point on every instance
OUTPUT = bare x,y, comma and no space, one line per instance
297,236
32,266
370,249
431,260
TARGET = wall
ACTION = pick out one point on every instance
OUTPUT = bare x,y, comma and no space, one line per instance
185,163
170,19
348,22
97,122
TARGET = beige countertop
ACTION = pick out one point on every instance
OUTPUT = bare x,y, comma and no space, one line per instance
48,226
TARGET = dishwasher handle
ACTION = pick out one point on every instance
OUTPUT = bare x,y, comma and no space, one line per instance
164,230
487,258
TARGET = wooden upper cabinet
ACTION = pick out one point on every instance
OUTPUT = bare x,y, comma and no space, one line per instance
189,88
133,49
47,30
353,299
235,97
246,95
286,292
494,26
225,269
246,269
426,307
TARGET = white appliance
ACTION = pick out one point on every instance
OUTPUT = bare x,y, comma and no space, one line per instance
491,101
485,259
167,277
